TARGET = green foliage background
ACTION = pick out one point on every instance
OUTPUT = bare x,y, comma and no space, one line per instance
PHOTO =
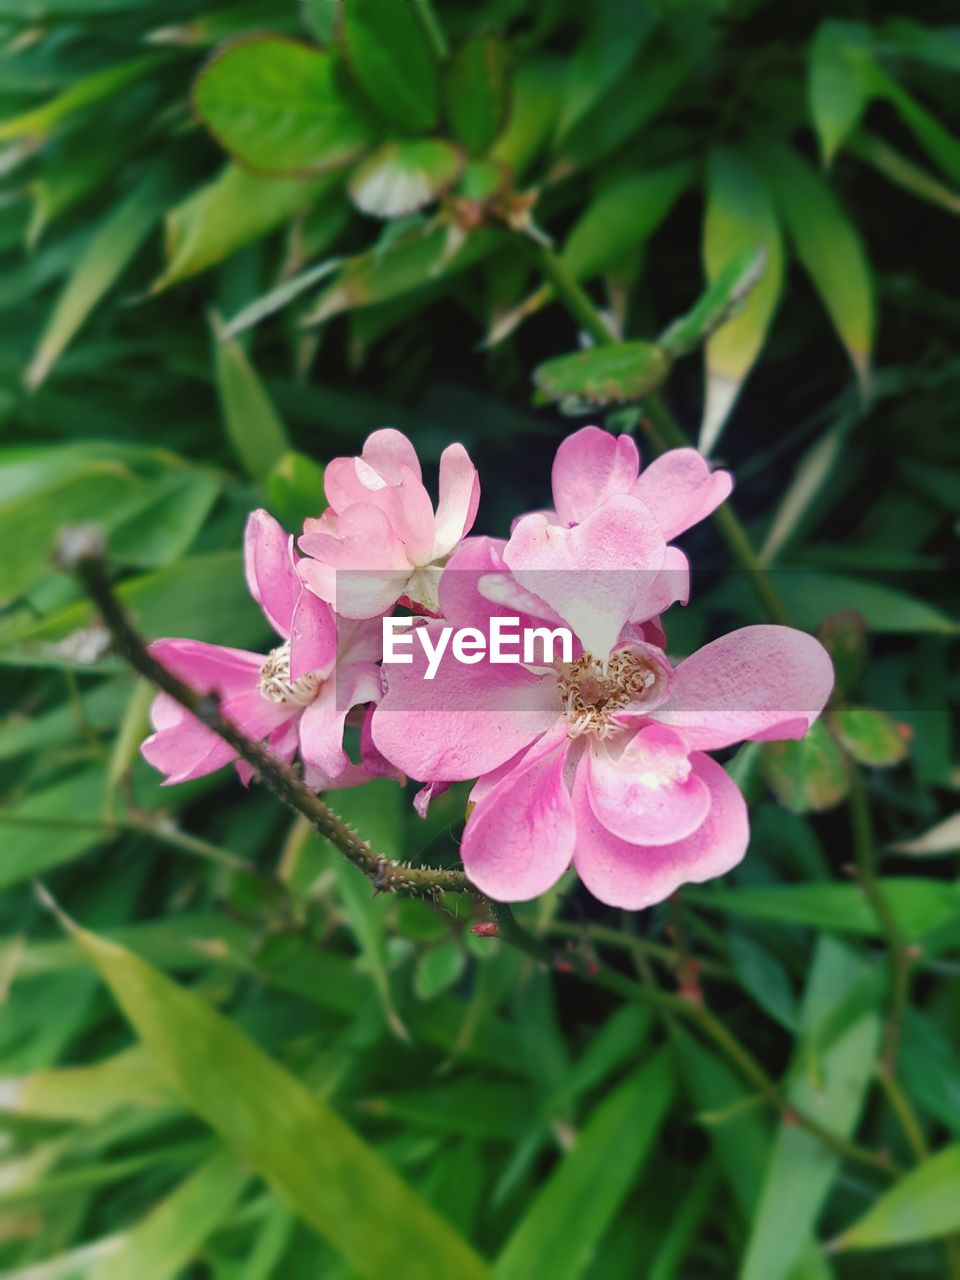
252,1067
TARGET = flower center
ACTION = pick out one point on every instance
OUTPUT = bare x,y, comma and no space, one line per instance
594,690
275,682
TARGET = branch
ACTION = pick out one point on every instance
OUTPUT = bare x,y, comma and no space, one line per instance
80,551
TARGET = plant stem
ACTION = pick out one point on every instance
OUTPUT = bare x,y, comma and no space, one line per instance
81,552
665,426
900,967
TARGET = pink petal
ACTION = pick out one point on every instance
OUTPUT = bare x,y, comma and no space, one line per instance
459,497
634,876
377,764
271,571
427,794
388,451
313,637
647,794
757,683
413,521
182,748
519,839
681,490
463,722
208,667
321,723
371,564
590,466
595,575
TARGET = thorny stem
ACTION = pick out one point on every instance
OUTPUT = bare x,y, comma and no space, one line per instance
81,552
665,428
900,965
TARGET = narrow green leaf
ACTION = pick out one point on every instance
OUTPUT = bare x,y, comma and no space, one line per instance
477,91
224,215
801,1170
438,968
811,596
295,489
31,847
839,82
275,106
401,177
107,254
616,32
898,169
828,245
942,838
255,431
276,299
38,122
919,906
809,774
166,1240
734,282
604,375
872,737
313,1160
392,59
924,1205
88,1093
535,101
739,218
938,142
562,1227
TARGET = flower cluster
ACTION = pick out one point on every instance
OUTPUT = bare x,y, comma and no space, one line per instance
598,759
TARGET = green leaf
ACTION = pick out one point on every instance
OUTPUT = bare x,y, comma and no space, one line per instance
38,831
477,91
801,1170
604,375
560,1230
310,1157
942,838
763,977
536,99
811,773
616,31
167,1239
413,262
321,18
919,906
734,282
810,597
870,736
392,59
233,210
939,143
275,299
275,106
438,968
622,218
90,1092
839,83
40,121
829,246
402,177
739,218
295,489
253,426
924,1205
106,255
844,636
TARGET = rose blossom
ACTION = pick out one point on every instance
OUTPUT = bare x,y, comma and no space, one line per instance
295,698
600,761
381,526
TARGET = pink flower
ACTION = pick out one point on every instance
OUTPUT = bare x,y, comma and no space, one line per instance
678,488
381,532
295,698
599,761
